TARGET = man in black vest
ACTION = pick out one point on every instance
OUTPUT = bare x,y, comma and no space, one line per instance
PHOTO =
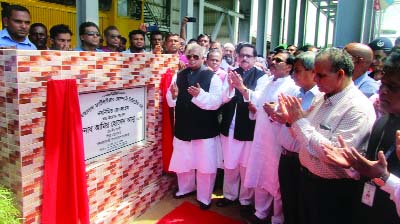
236,128
196,94
378,208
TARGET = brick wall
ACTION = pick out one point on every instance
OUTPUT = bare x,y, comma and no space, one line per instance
121,185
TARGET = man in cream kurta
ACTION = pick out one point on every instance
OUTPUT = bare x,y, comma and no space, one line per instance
262,168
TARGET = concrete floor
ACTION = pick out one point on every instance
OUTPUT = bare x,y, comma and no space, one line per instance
167,204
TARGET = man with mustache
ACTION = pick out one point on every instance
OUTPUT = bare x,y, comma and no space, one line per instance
38,35
16,21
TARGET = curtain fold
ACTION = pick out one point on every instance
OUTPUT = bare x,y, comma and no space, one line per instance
167,121
65,198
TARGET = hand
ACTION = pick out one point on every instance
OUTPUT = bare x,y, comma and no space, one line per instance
143,27
335,155
371,169
174,90
291,108
237,81
182,65
252,108
194,91
269,108
184,21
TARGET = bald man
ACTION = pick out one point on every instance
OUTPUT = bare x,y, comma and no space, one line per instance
362,58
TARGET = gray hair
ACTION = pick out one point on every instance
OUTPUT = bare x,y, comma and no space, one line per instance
339,59
192,46
307,59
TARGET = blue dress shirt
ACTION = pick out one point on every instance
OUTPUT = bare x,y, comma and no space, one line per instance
367,85
7,41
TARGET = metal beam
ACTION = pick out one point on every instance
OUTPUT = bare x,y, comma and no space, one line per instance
220,9
217,26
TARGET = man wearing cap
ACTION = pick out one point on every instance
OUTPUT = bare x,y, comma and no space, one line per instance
381,47
228,59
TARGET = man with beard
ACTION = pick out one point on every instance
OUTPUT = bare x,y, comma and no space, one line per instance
136,41
38,35
90,37
196,94
228,60
16,21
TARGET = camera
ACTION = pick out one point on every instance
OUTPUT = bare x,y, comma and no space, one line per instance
191,19
152,28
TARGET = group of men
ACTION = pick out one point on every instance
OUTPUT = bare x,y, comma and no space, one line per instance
281,137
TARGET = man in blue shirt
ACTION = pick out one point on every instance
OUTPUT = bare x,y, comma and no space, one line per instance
362,56
16,22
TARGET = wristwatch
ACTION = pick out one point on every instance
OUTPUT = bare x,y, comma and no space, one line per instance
380,181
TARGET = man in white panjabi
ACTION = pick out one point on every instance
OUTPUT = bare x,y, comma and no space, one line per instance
262,168
196,94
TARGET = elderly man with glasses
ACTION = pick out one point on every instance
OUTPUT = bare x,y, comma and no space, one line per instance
196,94
90,37
237,130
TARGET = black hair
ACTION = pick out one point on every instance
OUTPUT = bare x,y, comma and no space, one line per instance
83,26
134,32
9,8
57,29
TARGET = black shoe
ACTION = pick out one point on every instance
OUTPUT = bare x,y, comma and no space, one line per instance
255,220
246,211
184,195
203,206
223,202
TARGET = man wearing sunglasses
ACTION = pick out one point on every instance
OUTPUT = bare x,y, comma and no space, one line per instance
196,94
90,37
112,38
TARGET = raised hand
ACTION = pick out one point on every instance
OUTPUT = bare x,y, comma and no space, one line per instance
174,90
194,90
291,108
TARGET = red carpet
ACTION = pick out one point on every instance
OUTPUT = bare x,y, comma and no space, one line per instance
187,213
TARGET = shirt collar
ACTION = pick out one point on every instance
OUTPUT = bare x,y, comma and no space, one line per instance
6,35
358,80
338,96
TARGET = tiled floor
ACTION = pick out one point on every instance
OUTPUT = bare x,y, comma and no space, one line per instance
169,203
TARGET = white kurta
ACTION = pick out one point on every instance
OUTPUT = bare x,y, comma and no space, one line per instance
237,152
201,154
262,168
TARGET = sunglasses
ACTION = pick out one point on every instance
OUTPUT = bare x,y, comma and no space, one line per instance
195,57
115,36
92,33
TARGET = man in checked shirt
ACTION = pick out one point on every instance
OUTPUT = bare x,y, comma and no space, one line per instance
328,190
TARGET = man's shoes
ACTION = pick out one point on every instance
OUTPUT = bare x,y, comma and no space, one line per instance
246,211
183,195
203,206
255,220
223,202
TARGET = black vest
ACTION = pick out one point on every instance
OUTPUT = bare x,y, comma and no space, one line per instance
382,138
244,127
192,122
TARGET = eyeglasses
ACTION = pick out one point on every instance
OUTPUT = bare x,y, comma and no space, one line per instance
246,56
115,36
92,33
195,57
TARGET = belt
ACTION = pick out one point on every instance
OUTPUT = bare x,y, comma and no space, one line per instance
286,152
